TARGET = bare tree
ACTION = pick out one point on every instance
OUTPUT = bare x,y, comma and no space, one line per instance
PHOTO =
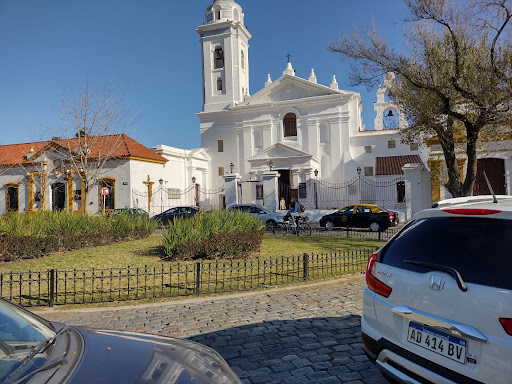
453,78
92,121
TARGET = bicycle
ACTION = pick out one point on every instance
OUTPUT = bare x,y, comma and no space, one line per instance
302,228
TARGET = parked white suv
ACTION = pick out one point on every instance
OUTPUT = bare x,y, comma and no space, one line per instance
438,302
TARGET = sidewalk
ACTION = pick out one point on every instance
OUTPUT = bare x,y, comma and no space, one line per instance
300,334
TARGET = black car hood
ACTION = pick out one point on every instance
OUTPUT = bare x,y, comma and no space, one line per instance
128,357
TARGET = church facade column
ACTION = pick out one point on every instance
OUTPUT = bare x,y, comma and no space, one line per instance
313,138
248,149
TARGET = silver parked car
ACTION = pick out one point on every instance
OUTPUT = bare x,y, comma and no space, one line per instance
438,303
35,351
267,216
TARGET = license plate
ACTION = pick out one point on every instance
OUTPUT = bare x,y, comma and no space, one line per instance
438,342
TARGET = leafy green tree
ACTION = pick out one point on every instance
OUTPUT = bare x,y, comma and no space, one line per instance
453,76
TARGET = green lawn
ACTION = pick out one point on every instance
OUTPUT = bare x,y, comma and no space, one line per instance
139,253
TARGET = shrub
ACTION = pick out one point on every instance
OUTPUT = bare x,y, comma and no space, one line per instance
32,236
213,235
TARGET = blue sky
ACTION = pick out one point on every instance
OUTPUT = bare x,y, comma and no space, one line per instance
150,49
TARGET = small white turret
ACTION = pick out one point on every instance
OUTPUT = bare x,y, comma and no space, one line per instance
312,76
334,83
289,69
269,81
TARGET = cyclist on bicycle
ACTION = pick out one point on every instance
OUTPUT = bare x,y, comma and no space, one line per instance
294,211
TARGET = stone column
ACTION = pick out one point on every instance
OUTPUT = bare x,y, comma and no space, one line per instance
231,188
270,190
413,189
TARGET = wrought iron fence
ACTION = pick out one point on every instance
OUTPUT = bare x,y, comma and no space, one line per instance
321,194
55,287
163,198
345,232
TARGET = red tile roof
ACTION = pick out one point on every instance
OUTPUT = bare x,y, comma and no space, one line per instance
392,165
116,146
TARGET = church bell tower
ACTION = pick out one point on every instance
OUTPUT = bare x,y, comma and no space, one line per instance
224,56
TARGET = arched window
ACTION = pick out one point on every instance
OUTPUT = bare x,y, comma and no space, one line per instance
218,14
219,83
218,57
390,119
242,60
290,125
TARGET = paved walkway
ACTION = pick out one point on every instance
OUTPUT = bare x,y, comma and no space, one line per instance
305,334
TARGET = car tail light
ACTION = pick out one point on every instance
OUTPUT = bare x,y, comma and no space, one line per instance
390,216
471,211
507,325
373,283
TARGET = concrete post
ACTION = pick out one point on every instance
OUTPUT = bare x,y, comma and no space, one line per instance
413,189
270,191
231,188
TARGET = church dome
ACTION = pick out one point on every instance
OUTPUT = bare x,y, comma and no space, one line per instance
224,10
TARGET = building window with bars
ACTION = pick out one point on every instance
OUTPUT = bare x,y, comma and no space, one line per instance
391,144
413,147
221,171
220,145
290,125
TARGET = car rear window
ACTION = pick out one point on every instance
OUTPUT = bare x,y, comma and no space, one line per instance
478,248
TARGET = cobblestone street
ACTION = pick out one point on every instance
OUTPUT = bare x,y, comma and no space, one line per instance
305,334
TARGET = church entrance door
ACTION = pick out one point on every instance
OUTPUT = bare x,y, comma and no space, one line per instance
285,191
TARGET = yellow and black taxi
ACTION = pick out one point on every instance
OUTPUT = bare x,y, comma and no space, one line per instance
360,216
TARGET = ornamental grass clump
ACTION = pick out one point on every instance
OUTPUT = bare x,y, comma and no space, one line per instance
42,233
213,235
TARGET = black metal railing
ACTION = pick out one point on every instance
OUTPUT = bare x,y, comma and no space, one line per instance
56,287
347,232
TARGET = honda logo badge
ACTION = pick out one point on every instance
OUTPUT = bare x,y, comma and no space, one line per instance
436,282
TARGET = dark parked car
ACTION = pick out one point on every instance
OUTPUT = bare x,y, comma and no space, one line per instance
135,212
175,213
35,351
360,216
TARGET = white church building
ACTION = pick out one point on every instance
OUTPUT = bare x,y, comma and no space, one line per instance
301,129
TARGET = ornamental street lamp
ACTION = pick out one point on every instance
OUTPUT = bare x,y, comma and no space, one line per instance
231,166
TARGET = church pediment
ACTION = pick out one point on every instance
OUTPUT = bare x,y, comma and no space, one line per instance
279,151
289,88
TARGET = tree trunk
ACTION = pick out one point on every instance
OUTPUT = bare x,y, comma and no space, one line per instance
469,181
454,184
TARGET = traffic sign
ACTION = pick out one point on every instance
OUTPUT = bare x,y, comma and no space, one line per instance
104,191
